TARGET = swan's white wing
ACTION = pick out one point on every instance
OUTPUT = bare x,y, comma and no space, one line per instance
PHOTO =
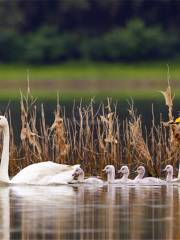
61,178
34,173
93,180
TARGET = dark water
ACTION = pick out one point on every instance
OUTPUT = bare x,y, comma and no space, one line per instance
87,212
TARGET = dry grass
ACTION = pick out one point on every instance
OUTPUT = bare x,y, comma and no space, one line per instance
94,138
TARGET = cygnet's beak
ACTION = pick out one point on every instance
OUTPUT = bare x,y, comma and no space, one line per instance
119,171
104,170
164,170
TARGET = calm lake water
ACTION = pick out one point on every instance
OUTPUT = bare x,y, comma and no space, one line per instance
87,212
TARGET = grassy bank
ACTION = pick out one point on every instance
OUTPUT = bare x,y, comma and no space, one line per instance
86,70
85,80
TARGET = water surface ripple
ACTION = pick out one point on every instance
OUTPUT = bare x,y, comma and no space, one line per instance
87,212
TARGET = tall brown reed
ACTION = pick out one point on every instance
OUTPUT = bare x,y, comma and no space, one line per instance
93,137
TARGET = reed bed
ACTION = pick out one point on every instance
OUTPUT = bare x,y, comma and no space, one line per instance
94,137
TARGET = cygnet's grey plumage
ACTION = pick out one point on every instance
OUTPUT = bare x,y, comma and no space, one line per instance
110,171
169,177
79,174
140,179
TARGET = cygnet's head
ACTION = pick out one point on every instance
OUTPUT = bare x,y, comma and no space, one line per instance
141,170
169,169
3,122
78,172
109,169
124,170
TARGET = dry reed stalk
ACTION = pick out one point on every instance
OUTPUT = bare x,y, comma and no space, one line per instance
88,144
44,136
72,130
101,147
109,138
154,138
169,103
29,135
90,122
87,151
34,137
24,132
138,143
127,151
173,147
61,147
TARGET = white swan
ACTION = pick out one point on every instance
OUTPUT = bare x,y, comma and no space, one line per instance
39,173
110,171
79,174
140,179
169,178
44,173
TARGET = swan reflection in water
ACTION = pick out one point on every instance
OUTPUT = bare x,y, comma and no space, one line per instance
31,212
4,213
89,212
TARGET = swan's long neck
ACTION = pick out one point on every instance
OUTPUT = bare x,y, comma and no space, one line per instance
4,176
169,176
110,177
81,177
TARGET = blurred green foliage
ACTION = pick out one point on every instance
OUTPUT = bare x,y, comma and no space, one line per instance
133,42
12,46
51,31
46,46
137,42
